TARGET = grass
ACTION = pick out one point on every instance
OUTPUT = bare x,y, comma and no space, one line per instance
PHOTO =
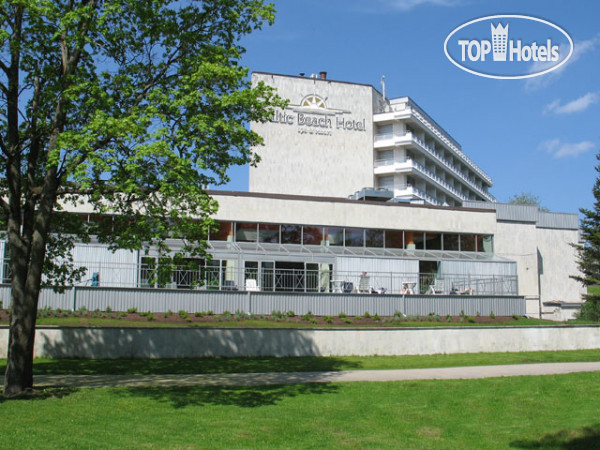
305,364
521,412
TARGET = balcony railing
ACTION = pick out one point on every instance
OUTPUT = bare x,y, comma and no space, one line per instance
409,137
274,279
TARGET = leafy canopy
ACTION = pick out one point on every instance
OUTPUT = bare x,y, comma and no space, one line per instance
126,107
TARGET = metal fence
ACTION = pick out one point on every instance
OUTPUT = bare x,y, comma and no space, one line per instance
323,279
161,300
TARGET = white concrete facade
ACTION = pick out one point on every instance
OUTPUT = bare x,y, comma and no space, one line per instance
335,138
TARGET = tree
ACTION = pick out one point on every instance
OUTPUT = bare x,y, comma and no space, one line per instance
589,254
131,106
527,198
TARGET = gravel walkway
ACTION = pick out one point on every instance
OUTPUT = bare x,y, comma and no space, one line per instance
255,379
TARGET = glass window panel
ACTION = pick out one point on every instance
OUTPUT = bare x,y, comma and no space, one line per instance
246,232
414,240
268,233
291,234
374,238
467,242
335,235
485,243
312,235
394,239
355,237
451,241
222,231
433,241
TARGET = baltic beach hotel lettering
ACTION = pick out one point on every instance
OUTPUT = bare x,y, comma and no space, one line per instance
316,120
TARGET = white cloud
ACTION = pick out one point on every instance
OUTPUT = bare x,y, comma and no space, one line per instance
406,5
575,106
559,149
580,48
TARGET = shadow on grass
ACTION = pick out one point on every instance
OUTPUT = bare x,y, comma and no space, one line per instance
580,438
188,366
40,394
242,396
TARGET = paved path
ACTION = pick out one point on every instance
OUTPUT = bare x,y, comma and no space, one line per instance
255,379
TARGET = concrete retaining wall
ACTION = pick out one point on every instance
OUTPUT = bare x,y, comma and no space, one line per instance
194,342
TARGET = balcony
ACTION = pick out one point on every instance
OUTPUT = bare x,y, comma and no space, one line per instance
411,110
391,140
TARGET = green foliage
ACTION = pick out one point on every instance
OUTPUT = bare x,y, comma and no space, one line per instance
589,254
492,315
132,310
528,199
182,314
108,309
342,315
368,316
131,106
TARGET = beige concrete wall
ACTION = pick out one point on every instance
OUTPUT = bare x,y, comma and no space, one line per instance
557,256
517,242
316,151
354,214
190,342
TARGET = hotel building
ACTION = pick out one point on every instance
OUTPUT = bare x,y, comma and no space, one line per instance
359,194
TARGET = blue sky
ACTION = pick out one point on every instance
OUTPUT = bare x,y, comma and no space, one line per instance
537,135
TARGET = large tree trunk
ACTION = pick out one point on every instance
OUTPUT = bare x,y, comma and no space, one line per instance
19,368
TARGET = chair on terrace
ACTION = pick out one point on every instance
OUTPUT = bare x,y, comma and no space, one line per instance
252,285
437,288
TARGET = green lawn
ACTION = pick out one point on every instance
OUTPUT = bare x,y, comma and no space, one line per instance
307,364
520,412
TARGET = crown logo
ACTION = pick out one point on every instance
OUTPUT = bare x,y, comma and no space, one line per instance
499,39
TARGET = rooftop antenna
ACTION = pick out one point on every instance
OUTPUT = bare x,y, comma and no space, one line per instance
383,86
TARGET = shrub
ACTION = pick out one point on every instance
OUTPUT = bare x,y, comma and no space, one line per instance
448,318
290,314
376,317
492,315
328,319
108,309
347,320
470,319
149,316
182,314
199,314
368,316
516,317
342,315
131,310
276,314
1,304
121,314
83,310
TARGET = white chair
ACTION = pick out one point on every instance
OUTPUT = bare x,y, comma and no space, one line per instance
252,285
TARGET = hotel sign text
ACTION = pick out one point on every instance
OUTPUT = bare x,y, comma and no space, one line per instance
317,123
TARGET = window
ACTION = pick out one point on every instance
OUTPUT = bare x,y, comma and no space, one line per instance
394,239
291,234
222,231
312,235
268,233
433,241
335,235
451,242
355,237
374,238
485,243
246,232
467,243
